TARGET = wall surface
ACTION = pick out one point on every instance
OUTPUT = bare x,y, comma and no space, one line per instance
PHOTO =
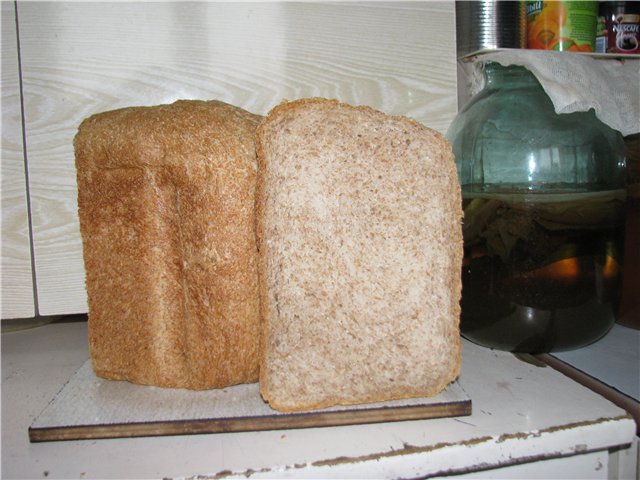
16,275
80,58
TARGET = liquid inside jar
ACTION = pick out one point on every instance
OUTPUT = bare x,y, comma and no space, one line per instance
541,271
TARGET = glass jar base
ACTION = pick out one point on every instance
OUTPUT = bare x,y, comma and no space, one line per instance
531,330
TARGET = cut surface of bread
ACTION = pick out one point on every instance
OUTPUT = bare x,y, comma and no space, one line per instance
360,249
166,205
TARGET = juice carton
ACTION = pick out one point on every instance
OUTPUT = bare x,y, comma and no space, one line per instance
562,25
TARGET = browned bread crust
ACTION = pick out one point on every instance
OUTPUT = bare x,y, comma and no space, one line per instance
166,206
360,249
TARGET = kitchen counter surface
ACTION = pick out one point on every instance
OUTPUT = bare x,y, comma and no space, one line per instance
615,360
528,420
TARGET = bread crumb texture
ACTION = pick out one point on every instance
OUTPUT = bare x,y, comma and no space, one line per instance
360,241
166,206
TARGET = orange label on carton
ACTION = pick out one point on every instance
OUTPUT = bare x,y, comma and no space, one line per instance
562,25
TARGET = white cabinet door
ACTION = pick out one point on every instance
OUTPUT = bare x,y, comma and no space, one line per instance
17,285
81,58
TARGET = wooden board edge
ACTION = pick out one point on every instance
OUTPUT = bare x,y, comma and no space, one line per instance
245,424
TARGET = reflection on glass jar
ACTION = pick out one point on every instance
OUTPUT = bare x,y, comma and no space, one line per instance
544,199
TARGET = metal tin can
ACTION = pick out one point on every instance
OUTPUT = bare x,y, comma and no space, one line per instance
562,25
622,26
489,24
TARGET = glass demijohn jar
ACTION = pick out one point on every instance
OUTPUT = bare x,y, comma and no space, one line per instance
543,198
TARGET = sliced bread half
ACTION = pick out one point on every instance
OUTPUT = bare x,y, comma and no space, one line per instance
360,249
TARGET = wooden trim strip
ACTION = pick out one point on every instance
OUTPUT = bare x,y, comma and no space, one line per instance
243,424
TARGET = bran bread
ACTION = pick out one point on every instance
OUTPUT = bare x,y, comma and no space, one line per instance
166,207
360,249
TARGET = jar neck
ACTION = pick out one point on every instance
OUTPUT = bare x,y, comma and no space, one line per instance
513,76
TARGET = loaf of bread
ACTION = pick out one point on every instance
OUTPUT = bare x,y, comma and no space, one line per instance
360,250
166,204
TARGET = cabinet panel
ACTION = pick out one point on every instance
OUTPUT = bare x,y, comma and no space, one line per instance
83,58
17,283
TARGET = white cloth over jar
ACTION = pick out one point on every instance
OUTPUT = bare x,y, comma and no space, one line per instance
575,82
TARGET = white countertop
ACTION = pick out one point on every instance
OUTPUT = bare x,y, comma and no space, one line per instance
614,360
526,418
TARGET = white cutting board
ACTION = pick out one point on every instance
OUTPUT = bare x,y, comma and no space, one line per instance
89,407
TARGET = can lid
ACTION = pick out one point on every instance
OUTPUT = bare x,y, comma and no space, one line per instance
619,7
